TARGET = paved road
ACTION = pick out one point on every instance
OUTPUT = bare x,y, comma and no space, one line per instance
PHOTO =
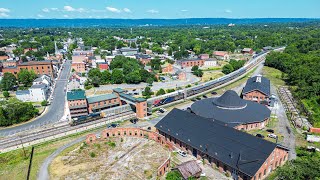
55,110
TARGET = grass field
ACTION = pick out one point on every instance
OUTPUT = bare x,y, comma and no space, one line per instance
209,75
274,75
13,165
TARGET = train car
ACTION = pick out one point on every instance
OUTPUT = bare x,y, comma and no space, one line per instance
84,119
167,100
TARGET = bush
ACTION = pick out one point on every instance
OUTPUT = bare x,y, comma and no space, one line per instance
44,103
92,154
88,87
6,94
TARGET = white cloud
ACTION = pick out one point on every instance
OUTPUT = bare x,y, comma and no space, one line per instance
46,10
66,16
227,11
127,10
69,8
4,15
112,9
184,10
153,11
40,15
54,9
4,10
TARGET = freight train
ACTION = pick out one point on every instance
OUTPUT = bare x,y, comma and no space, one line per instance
181,94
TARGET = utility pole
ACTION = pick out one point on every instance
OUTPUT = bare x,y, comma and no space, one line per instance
30,163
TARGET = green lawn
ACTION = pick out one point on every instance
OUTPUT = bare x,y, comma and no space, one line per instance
274,75
313,106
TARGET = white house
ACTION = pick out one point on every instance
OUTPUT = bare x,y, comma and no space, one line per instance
221,55
38,92
211,62
44,79
23,95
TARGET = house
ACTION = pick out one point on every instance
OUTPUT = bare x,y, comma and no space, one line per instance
189,169
257,89
23,95
231,151
191,62
167,69
247,51
233,111
39,92
182,76
143,58
126,51
44,79
29,49
211,62
221,55
77,103
204,56
9,63
79,67
103,66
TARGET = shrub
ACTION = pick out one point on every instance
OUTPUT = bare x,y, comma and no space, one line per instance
44,103
6,94
92,154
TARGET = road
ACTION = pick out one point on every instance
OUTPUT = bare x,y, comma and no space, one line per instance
55,110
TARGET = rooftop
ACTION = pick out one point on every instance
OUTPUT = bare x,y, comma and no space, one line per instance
76,95
259,83
30,63
99,98
22,92
231,109
235,148
37,86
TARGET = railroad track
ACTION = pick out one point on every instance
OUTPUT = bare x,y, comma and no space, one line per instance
21,139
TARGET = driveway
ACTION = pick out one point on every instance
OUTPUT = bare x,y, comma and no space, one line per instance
55,110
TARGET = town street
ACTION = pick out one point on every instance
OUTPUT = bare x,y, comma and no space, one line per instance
54,112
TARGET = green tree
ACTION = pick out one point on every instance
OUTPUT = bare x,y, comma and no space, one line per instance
194,68
105,77
26,77
150,81
117,76
226,69
133,77
44,103
147,92
160,92
6,94
18,51
173,175
8,81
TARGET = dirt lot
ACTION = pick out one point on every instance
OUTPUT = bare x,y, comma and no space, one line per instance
116,158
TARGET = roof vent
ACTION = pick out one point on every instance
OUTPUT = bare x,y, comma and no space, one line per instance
258,79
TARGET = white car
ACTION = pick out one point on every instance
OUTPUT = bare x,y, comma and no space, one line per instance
203,175
163,109
272,136
182,153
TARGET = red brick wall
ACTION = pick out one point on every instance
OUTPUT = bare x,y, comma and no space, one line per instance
168,69
164,167
11,70
192,63
102,103
251,126
39,69
314,130
141,109
79,67
277,158
260,96
103,66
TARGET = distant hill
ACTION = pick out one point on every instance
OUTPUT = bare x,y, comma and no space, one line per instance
28,23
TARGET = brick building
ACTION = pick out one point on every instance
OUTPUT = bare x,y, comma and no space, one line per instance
204,56
231,151
143,58
102,102
257,89
77,103
103,66
168,69
247,51
79,67
191,62
221,55
233,111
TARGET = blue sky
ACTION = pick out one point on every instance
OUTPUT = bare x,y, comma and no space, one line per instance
136,9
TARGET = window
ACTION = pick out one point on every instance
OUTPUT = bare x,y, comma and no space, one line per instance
264,172
42,67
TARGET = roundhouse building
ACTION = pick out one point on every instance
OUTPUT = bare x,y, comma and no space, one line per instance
233,111
241,155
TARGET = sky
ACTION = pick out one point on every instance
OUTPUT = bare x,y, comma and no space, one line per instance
167,9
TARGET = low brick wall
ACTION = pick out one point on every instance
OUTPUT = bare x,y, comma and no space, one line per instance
140,133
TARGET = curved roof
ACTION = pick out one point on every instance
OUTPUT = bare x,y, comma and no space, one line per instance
230,100
230,109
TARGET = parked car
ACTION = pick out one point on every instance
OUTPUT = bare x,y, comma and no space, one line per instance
134,121
272,136
182,153
204,96
163,109
214,93
198,98
193,99
149,128
260,135
270,130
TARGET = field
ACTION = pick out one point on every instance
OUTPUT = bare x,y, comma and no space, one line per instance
210,75
274,75
115,158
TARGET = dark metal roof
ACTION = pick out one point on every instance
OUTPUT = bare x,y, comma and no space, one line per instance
230,99
230,109
237,149
252,84
99,98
